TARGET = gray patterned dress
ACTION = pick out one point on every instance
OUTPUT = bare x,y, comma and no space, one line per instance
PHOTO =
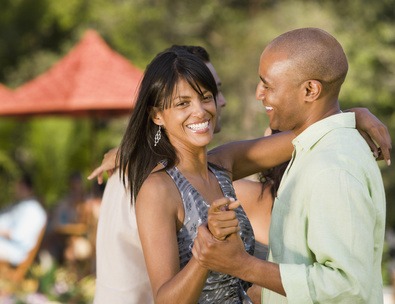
219,287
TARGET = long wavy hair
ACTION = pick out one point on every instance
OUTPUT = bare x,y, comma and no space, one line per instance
137,155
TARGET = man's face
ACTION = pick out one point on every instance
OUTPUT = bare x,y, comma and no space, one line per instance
279,92
221,101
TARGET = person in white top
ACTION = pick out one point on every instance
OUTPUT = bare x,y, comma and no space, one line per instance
21,224
121,272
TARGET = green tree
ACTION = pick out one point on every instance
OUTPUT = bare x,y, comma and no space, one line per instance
35,34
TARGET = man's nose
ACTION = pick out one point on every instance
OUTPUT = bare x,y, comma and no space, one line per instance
259,93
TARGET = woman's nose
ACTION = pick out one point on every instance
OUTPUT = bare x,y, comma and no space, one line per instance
198,109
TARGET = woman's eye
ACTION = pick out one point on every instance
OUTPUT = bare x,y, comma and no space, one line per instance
181,104
208,98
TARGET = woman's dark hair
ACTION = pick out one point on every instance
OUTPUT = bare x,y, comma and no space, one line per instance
196,50
137,154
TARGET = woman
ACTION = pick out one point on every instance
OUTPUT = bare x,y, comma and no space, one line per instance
173,181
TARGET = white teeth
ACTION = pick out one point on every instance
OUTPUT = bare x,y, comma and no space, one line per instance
199,126
268,108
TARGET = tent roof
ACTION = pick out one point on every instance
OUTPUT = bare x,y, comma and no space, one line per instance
90,79
7,99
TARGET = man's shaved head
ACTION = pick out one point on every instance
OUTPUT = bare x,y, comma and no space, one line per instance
315,54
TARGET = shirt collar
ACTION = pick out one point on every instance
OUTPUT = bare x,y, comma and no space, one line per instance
316,131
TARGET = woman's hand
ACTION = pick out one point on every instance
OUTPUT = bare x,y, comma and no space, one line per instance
374,132
254,292
222,219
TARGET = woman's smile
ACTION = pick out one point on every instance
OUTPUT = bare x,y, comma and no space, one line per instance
199,127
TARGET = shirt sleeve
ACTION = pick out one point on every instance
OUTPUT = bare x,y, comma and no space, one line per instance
340,237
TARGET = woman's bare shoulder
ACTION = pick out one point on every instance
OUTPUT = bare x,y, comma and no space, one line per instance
245,187
248,192
158,186
158,182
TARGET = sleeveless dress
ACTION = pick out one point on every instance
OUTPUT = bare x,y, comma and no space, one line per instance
261,251
219,287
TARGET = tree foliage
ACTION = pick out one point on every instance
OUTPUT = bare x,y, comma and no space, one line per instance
34,34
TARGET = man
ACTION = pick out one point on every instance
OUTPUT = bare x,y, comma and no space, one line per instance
327,227
121,271
21,224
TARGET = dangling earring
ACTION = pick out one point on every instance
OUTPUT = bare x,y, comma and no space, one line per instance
158,136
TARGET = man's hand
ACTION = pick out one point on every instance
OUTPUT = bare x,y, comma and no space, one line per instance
226,256
375,133
222,219
108,164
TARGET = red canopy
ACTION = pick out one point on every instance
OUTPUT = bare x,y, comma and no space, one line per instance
90,79
5,93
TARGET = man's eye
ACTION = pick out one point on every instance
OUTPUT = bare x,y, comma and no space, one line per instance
263,86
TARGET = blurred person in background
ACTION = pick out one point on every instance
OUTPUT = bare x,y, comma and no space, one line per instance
67,210
21,223
66,235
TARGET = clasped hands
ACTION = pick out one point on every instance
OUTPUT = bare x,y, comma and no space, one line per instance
222,220
218,245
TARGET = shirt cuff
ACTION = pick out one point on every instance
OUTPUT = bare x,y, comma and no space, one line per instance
293,278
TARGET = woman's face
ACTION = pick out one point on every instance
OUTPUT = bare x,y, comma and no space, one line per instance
190,121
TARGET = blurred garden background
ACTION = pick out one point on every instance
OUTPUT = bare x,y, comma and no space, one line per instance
36,34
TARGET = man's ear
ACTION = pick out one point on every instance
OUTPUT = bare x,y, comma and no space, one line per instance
156,116
312,89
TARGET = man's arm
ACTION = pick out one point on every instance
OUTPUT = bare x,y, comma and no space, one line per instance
229,256
350,217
